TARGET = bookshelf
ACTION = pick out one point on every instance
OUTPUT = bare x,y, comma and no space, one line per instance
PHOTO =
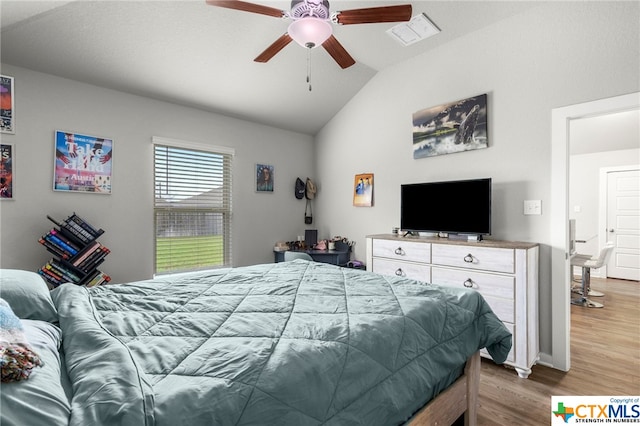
77,253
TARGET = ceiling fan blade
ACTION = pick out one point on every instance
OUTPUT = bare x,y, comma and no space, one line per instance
275,47
374,15
247,7
338,53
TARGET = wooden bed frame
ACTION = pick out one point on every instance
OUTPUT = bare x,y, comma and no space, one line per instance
459,398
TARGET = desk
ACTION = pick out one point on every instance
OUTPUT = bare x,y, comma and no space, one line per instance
335,257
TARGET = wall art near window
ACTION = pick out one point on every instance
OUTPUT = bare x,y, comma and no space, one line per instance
453,127
363,190
6,171
7,102
264,178
82,163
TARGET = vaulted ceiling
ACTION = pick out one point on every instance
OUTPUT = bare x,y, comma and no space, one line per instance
193,54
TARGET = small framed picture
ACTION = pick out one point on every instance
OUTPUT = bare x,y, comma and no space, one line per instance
7,102
82,163
264,178
363,190
6,171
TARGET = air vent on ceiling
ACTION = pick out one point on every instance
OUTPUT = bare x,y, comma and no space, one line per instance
418,28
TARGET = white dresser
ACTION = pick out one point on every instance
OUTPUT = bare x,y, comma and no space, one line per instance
504,272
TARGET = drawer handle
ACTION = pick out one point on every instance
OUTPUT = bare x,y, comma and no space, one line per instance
468,283
468,258
399,251
400,272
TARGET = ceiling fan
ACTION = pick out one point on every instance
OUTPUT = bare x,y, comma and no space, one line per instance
312,24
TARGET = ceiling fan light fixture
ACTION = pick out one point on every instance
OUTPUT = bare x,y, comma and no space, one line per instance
310,32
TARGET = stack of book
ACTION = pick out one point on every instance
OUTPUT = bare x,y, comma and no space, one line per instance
77,252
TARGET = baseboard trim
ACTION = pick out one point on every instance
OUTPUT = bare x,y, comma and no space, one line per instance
546,360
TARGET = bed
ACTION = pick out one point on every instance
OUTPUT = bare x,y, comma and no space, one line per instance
291,343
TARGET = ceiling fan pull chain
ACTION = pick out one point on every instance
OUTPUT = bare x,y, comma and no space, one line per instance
309,67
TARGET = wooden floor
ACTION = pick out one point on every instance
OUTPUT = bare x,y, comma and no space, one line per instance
605,360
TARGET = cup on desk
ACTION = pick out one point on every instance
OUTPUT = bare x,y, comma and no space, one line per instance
332,245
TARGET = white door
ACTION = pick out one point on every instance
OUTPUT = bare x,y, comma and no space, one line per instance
623,223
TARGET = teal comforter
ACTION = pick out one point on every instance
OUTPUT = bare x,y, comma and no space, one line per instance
293,343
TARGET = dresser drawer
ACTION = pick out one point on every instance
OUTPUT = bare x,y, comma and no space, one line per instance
474,257
402,250
503,308
497,290
394,268
487,284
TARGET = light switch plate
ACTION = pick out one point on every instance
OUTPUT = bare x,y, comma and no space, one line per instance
532,207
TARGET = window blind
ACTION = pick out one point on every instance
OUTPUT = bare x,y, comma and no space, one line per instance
192,206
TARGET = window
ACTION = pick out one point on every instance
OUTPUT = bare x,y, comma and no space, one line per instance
192,206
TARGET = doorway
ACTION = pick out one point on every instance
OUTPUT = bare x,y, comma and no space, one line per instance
620,215
559,227
604,189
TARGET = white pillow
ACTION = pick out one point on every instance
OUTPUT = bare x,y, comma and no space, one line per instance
28,295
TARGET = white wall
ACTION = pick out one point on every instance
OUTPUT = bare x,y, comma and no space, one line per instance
45,103
557,54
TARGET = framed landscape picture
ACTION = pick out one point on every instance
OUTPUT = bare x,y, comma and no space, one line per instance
82,163
452,127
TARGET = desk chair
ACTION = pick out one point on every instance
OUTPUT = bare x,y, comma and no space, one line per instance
291,255
587,263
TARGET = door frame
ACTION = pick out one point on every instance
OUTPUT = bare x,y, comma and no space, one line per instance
559,221
603,203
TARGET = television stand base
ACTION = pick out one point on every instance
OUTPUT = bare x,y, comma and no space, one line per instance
465,237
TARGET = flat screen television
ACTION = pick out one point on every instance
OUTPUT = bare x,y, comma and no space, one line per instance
452,207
